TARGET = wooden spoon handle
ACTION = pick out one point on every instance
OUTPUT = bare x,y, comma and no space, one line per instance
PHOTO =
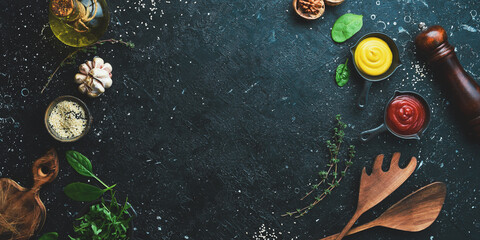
45,169
349,225
353,230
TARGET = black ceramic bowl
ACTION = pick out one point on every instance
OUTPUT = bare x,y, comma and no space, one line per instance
131,212
396,63
369,134
395,57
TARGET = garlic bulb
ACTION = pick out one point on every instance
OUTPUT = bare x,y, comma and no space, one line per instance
94,77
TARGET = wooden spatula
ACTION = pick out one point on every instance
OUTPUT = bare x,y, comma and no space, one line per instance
21,210
413,213
378,185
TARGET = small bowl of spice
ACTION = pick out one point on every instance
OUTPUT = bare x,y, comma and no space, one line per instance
67,119
309,9
313,9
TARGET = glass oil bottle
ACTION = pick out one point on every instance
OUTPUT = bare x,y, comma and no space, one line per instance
78,23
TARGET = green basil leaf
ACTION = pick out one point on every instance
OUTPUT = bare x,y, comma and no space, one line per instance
80,163
49,236
346,26
342,74
84,192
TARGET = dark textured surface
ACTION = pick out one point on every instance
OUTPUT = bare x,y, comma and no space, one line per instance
215,123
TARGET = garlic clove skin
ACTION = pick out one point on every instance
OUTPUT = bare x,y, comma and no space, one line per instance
97,87
84,68
97,62
107,67
107,82
93,90
83,88
102,76
92,94
89,64
98,73
80,78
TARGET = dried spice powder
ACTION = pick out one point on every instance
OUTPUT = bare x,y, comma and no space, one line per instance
67,119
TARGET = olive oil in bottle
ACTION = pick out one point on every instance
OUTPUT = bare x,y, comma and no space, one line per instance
78,23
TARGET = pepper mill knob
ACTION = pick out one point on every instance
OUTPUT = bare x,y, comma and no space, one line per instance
432,44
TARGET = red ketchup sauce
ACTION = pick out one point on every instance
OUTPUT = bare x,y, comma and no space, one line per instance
406,115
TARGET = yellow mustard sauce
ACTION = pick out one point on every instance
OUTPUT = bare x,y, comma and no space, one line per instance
373,56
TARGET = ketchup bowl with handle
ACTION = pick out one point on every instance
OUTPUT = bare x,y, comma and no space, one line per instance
407,116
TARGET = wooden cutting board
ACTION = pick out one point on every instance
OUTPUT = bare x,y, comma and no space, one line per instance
22,212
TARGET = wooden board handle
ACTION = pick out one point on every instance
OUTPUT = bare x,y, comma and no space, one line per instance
45,169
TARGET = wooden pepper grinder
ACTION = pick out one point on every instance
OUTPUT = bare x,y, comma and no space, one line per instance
465,92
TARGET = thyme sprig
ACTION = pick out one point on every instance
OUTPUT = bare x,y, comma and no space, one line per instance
70,59
331,178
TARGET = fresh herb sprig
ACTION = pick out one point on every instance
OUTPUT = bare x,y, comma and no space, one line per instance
331,178
70,59
104,220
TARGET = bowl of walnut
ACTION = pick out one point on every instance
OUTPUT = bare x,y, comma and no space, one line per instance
313,9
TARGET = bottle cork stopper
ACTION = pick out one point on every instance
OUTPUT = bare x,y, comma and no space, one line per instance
62,8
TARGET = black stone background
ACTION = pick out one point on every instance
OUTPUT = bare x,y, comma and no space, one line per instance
216,121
